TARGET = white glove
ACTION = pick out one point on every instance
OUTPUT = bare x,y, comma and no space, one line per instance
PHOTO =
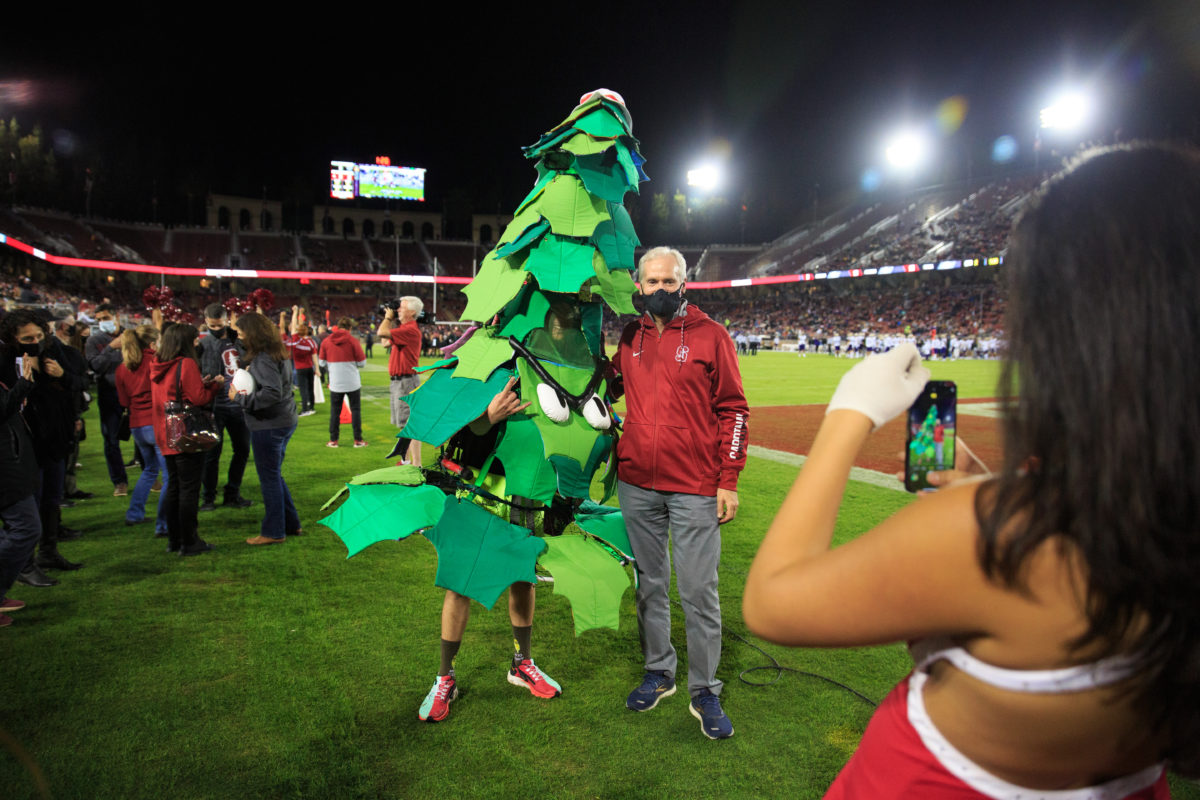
882,386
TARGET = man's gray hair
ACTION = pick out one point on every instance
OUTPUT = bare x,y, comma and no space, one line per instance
414,304
655,253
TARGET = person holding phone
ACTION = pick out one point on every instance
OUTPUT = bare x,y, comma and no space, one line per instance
1050,608
177,363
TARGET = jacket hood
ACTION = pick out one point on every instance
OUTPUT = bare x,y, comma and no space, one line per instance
159,369
339,335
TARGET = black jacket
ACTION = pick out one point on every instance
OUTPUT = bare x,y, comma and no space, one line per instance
53,404
18,467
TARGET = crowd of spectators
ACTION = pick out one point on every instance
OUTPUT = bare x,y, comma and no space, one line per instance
82,345
902,305
976,226
59,353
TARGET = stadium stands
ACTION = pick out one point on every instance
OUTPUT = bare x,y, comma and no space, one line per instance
335,254
267,250
459,259
146,242
198,248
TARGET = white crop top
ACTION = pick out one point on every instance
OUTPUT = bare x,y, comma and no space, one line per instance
1079,678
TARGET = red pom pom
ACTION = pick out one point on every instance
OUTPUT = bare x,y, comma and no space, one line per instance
157,297
150,297
262,298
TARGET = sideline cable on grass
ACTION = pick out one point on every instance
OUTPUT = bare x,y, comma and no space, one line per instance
779,668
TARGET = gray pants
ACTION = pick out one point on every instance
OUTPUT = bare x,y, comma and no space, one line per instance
696,541
399,389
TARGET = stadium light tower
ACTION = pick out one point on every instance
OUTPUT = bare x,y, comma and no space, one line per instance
1068,113
907,150
705,177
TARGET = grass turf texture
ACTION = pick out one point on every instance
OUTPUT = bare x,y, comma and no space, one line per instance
292,672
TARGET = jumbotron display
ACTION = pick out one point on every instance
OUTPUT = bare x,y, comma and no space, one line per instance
348,180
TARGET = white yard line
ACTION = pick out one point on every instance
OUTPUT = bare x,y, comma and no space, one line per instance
860,474
980,409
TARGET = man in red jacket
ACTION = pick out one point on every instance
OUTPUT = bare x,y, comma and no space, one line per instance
678,460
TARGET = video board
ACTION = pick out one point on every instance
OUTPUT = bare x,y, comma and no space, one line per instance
348,180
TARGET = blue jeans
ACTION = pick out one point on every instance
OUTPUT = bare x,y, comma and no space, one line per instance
279,512
22,527
156,466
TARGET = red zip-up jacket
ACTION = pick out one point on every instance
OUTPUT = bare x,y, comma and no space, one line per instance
133,388
162,389
686,414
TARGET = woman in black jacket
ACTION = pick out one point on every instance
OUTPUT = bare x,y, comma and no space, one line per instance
18,476
50,412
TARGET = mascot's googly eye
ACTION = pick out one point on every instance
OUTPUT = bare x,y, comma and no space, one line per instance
552,404
596,414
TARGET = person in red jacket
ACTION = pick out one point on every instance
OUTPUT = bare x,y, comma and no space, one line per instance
177,356
303,349
678,461
133,389
343,356
402,338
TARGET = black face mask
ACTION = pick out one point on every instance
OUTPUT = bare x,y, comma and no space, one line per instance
34,349
664,304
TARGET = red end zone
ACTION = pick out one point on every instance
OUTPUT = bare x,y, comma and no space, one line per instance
793,428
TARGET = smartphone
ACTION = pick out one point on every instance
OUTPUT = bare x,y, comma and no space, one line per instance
930,427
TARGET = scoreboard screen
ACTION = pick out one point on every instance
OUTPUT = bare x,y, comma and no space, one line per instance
348,180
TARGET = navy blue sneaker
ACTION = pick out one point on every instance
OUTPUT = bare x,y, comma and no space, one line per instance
655,686
706,707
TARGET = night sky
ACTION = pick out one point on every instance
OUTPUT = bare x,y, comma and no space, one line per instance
790,95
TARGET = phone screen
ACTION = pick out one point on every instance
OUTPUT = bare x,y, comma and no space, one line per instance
931,424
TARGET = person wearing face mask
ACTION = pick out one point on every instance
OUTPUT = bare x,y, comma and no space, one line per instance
219,355
50,414
18,478
678,462
103,353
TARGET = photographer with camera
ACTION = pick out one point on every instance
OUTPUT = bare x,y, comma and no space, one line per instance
399,333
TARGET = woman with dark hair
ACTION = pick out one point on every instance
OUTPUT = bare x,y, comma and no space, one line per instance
133,389
174,364
50,411
1050,608
80,331
271,418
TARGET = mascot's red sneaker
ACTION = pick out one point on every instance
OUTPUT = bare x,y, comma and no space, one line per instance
437,703
526,673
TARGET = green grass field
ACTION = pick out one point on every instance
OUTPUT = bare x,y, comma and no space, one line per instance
292,672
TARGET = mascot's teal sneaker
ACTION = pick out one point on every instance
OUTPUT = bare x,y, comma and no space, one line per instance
706,707
655,686
437,703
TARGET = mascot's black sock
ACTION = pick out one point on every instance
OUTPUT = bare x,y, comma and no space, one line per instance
449,651
521,637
